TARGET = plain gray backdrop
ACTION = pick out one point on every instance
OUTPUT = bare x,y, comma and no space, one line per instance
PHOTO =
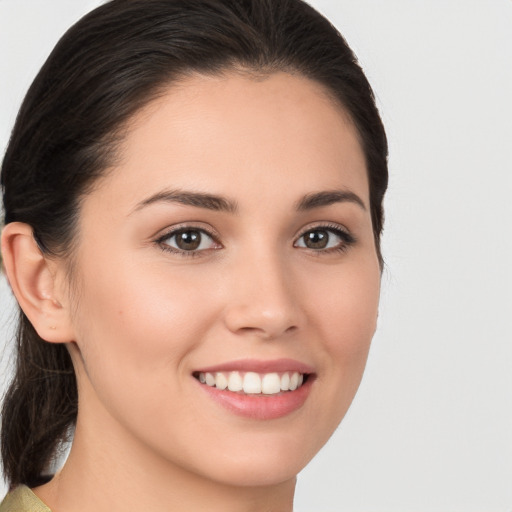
431,427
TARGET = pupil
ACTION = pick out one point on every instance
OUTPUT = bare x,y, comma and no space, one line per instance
316,239
188,240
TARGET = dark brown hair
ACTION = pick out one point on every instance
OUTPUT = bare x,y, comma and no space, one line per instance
105,68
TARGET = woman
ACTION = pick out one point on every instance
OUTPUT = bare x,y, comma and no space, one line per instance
193,208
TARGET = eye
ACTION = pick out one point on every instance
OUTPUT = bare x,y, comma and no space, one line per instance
187,240
325,238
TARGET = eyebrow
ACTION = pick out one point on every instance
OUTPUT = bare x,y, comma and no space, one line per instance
197,199
223,204
328,197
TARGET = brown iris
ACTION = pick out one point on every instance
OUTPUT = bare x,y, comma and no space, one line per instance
317,239
188,240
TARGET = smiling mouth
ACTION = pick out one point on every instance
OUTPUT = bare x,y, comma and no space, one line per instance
252,383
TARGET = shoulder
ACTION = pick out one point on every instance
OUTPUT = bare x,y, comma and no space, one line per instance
22,499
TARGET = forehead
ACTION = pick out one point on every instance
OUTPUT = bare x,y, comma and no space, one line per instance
242,134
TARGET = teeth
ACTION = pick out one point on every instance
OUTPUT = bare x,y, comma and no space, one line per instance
235,382
220,381
294,381
285,382
270,384
252,383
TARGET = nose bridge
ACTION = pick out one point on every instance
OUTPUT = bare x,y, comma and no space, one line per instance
263,301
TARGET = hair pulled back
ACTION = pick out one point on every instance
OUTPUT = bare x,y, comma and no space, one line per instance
105,68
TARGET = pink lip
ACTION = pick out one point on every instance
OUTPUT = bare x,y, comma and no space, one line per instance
259,366
260,407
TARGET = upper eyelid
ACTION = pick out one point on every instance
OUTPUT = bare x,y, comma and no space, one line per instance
348,239
172,230
335,226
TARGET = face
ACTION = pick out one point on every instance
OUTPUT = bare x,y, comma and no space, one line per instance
228,280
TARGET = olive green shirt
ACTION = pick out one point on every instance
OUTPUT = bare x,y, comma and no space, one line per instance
22,499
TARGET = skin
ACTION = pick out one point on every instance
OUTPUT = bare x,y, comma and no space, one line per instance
140,319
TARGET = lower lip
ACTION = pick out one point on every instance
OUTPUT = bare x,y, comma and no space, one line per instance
260,407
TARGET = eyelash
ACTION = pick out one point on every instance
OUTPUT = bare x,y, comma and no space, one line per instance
183,229
347,240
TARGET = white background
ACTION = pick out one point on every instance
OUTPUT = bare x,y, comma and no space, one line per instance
431,427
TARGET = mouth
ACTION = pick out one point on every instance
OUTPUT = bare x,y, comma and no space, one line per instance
253,383
258,390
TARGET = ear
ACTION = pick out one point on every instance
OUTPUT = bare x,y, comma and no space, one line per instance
34,281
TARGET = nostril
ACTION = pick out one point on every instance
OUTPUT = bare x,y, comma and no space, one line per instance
266,333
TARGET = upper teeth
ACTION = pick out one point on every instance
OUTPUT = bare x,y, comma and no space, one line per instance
253,383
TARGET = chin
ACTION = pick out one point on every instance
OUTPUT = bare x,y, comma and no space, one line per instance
261,473
268,461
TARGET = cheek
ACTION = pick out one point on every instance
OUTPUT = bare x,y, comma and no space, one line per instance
136,330
346,310
136,324
346,302
342,310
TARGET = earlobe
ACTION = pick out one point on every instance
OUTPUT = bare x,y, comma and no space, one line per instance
33,281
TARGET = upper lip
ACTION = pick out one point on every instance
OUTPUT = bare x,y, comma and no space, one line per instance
259,366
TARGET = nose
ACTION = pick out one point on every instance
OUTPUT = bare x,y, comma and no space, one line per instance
263,300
